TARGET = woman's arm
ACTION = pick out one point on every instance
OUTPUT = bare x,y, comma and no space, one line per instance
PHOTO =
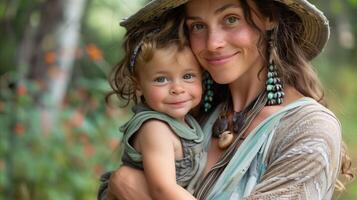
128,183
156,142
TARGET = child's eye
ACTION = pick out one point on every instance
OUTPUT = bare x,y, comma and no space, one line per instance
230,20
189,76
160,80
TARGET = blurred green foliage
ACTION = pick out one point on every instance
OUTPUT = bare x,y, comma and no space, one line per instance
65,162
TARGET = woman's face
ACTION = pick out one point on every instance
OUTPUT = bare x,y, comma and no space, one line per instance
222,40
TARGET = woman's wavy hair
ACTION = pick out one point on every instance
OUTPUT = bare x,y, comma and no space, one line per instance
153,35
292,64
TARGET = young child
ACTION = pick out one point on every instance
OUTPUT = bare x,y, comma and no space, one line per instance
161,138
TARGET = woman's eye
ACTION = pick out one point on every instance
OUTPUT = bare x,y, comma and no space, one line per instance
160,79
197,27
231,20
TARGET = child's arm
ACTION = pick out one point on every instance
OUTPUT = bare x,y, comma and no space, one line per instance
155,142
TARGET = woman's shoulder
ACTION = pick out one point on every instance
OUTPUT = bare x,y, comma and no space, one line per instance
311,122
304,108
312,108
306,147
310,116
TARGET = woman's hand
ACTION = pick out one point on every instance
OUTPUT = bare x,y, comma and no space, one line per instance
127,183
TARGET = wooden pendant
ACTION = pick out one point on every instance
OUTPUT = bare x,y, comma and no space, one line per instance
225,139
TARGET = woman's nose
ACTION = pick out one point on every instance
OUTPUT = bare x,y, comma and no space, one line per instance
215,40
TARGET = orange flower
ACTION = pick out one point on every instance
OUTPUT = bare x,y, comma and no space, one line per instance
21,90
19,129
113,144
89,150
93,52
50,57
77,118
98,169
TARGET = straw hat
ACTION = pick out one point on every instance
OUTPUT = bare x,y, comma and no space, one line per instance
316,27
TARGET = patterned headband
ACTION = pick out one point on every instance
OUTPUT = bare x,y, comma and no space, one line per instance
133,56
137,50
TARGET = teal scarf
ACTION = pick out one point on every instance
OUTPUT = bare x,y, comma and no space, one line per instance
246,167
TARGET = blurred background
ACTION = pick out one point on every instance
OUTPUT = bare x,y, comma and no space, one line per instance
57,134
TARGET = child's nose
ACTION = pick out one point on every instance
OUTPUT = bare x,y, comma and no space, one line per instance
176,89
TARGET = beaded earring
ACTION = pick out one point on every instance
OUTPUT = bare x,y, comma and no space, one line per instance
208,95
274,85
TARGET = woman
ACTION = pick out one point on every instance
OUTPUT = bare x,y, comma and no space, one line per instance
286,144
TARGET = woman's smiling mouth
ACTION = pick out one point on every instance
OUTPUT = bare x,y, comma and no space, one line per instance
220,60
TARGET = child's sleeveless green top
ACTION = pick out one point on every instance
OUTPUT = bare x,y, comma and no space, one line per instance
190,134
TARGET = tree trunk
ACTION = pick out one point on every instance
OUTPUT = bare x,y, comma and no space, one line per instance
47,51
67,36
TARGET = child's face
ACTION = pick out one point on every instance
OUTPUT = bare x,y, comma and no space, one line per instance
171,82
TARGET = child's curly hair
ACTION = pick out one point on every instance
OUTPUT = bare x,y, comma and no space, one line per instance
156,34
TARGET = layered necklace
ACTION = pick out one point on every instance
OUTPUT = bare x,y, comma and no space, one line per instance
230,122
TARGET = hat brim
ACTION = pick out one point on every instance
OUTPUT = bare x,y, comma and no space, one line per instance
315,33
316,30
150,11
